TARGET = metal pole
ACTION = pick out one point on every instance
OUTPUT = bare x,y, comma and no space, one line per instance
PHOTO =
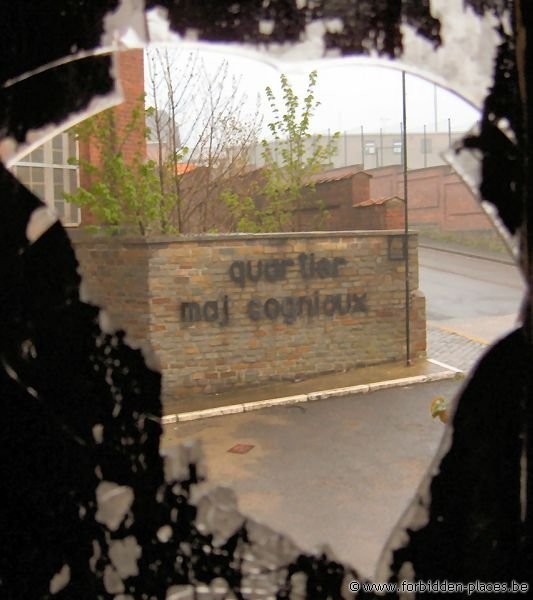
435,107
345,150
449,132
362,147
381,162
401,137
406,228
425,149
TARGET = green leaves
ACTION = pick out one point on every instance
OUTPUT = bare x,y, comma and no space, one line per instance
121,193
244,212
292,158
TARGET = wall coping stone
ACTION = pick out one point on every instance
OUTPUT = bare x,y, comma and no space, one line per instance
81,237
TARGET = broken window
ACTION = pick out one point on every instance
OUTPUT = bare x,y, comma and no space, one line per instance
87,512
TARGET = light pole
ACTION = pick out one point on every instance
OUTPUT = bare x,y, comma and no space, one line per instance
406,227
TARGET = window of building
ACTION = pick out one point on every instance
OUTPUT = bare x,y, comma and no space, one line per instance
370,147
46,172
397,147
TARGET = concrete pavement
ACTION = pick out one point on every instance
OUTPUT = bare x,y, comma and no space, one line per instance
339,471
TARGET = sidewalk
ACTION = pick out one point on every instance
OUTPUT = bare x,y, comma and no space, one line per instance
458,351
359,380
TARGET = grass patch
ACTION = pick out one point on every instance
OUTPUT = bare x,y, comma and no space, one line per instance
488,241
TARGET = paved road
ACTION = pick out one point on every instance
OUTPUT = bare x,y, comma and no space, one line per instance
470,302
461,287
339,471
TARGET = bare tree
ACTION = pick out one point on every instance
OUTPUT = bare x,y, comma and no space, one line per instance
201,134
282,191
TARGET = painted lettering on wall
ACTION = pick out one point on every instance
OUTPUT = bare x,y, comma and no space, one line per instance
288,308
276,269
212,311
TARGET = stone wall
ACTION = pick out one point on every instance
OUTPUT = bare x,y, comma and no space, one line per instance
233,310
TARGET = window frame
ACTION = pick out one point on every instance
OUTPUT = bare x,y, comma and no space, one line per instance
69,214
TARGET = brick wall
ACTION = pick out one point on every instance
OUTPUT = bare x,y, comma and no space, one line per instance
387,213
394,215
115,276
437,197
338,197
235,310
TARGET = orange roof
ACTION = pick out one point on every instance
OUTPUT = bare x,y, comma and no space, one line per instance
377,201
337,174
182,168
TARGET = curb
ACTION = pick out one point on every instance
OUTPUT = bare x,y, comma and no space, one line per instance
312,396
472,254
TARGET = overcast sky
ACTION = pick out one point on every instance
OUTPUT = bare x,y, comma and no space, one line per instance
351,95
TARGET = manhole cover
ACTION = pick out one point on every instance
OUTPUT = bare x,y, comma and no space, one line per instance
241,448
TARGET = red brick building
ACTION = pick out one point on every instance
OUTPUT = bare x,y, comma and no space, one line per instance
132,142
46,170
130,66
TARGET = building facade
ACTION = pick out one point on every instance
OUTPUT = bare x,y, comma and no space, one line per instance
374,149
50,171
47,172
